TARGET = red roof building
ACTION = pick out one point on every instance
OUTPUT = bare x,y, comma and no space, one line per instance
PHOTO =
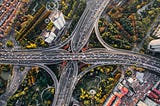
156,91
115,98
152,95
117,102
8,11
110,100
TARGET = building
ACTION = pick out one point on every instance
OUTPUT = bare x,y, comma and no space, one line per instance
140,76
130,80
150,102
152,95
154,45
49,37
117,102
115,98
141,103
58,19
123,91
7,15
110,100
156,91
157,32
1,2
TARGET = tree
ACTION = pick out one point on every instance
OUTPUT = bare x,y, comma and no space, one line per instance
87,102
117,76
110,80
100,23
31,46
128,73
9,43
146,21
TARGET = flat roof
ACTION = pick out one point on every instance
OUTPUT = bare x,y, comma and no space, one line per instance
155,42
150,102
140,103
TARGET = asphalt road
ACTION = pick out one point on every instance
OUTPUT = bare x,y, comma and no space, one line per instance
79,37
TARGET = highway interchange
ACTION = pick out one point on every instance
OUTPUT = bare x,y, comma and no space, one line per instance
79,37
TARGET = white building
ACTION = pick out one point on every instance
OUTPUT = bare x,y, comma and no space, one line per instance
157,31
141,103
58,19
150,102
140,76
154,45
50,37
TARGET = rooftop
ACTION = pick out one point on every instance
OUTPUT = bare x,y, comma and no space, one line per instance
140,103
155,42
150,102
